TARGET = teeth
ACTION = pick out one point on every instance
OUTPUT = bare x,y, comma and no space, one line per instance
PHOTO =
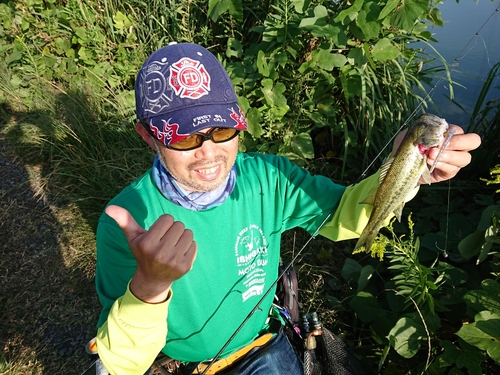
208,171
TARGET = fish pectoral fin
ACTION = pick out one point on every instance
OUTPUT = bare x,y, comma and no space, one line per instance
399,211
370,199
426,175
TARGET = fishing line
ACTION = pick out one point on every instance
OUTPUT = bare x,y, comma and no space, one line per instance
313,236
445,253
451,70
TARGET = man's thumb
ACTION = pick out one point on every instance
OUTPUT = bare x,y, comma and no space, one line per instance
125,221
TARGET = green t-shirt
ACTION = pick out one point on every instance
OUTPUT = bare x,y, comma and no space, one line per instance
238,251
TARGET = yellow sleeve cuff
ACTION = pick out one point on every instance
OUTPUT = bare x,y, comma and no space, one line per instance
351,216
133,335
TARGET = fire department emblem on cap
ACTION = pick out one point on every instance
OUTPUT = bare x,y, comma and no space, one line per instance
189,78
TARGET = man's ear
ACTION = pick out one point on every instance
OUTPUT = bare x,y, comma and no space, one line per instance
139,128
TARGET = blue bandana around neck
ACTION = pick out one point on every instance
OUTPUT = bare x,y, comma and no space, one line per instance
193,200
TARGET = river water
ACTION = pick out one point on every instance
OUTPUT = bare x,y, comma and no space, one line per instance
470,43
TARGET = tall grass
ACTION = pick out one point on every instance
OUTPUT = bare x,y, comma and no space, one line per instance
86,143
485,116
485,120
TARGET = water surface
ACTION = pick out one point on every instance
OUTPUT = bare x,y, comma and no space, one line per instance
470,43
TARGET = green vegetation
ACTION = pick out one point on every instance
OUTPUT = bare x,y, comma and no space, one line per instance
325,83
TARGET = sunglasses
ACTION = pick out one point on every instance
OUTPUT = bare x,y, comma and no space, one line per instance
195,140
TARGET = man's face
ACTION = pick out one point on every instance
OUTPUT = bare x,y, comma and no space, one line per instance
202,169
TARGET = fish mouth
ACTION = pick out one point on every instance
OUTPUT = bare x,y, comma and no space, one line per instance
423,149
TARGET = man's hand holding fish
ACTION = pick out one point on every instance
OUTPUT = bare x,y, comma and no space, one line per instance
455,156
430,151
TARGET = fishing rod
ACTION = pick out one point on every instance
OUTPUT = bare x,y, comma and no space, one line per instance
313,236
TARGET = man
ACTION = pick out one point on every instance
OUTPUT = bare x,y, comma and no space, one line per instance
186,251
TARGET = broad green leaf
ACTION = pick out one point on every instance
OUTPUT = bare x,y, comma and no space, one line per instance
470,357
217,7
254,122
488,298
351,270
365,276
319,19
484,333
396,302
300,5
382,325
366,306
63,44
50,61
25,25
234,48
370,29
472,362
236,9
281,59
388,8
406,337
332,31
486,216
334,303
327,60
81,33
435,17
302,143
273,94
408,13
357,58
471,245
350,13
453,276
262,65
486,247
278,112
384,50
15,81
121,21
335,283
15,56
450,353
351,85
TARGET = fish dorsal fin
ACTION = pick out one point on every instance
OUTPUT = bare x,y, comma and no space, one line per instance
385,168
370,199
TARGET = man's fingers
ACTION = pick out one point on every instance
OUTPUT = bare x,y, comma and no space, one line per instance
189,257
465,142
457,151
125,221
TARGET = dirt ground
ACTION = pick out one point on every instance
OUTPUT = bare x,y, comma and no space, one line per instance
48,303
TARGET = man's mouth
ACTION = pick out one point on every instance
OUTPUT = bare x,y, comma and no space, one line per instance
208,171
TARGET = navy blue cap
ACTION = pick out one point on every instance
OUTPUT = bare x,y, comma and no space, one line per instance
182,88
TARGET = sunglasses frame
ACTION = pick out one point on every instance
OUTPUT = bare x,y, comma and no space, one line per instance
204,137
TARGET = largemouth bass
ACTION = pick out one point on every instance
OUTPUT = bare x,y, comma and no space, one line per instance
399,176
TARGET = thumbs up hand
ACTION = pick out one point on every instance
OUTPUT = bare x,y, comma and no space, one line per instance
164,253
